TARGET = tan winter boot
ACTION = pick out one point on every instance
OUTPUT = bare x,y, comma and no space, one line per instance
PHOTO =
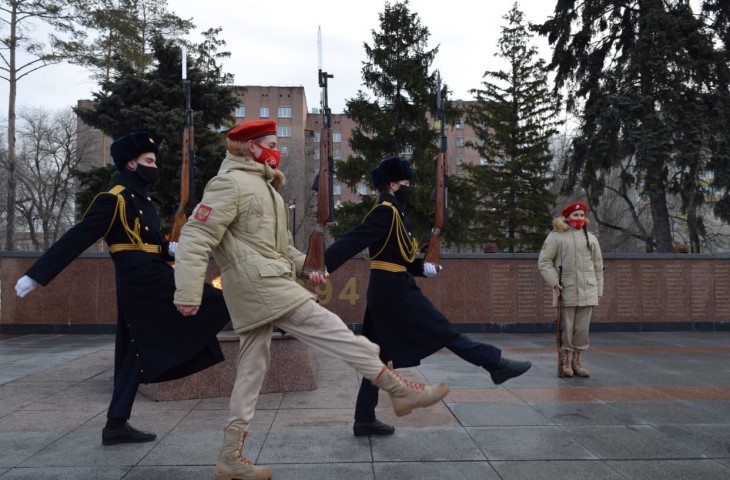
232,465
565,369
577,367
406,395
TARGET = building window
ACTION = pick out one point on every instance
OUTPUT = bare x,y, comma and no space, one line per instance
407,150
482,161
264,112
459,125
336,190
336,137
284,112
316,137
240,111
459,159
337,154
316,153
283,131
362,189
459,141
284,149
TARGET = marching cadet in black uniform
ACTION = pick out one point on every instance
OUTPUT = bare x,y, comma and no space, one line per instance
398,317
154,342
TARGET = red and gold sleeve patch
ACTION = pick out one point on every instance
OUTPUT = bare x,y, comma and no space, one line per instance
203,212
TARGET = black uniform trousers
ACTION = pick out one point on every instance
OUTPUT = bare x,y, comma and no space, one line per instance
127,378
477,353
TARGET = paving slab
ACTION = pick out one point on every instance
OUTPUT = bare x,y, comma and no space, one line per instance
656,406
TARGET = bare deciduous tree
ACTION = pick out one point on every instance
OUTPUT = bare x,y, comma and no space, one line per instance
47,154
21,54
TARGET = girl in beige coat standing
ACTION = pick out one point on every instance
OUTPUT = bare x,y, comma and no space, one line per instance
571,263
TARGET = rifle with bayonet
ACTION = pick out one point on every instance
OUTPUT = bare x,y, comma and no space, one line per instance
558,322
187,167
433,251
314,260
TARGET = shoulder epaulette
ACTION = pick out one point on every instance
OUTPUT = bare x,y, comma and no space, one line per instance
120,211
408,247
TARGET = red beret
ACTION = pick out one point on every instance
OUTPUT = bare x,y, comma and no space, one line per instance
251,130
570,208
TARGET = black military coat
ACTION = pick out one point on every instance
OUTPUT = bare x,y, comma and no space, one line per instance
398,316
169,345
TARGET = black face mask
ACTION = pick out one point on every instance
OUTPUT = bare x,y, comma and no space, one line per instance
403,194
148,175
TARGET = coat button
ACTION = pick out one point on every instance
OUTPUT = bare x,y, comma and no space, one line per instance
140,212
149,199
132,195
146,229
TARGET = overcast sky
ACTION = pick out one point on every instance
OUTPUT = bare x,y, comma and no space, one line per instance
283,36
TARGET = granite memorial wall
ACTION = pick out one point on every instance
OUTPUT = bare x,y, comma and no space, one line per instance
477,292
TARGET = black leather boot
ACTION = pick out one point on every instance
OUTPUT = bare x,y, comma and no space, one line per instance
372,428
508,369
125,434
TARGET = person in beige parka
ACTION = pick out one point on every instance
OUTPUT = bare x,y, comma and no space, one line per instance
243,220
572,264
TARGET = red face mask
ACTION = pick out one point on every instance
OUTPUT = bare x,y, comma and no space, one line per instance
576,222
268,156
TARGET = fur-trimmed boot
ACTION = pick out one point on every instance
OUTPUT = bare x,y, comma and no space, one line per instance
232,465
406,395
577,367
565,369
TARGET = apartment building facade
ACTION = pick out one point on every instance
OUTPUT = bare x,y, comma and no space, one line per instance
299,129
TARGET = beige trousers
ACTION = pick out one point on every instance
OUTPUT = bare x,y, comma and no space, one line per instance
316,327
576,322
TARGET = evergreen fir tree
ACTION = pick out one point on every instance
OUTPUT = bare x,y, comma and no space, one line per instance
648,83
395,122
514,117
155,101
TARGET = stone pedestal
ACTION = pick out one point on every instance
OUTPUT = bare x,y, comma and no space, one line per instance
293,368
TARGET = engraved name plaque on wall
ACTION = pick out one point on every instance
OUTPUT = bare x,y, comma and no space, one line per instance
650,288
722,291
626,293
699,294
675,292
527,288
501,294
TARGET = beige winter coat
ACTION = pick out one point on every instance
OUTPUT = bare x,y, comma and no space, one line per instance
243,220
582,276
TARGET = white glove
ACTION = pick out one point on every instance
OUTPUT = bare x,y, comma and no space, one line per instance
25,285
171,247
429,269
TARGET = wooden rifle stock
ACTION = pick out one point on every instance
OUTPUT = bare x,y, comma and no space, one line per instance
181,215
558,321
433,253
314,260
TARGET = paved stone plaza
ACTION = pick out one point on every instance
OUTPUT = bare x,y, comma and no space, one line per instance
657,406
